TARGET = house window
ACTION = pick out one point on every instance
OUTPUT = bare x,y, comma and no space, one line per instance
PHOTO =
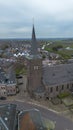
62,87
35,67
51,89
72,85
4,92
67,86
57,88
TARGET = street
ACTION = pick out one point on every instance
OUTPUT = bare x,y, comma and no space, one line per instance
61,122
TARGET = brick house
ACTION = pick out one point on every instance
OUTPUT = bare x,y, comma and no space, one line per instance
7,83
11,82
3,91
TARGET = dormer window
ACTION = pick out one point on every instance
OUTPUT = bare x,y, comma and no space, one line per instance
9,81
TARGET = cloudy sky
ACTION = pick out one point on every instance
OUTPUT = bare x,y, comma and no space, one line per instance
52,18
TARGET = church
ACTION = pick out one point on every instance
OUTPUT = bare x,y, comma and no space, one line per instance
35,85
48,81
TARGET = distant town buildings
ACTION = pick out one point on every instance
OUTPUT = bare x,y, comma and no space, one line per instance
47,76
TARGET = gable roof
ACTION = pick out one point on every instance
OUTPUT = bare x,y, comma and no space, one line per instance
10,76
58,74
2,76
7,116
30,120
7,77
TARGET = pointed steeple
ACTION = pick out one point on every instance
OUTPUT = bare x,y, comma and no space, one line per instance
34,46
33,33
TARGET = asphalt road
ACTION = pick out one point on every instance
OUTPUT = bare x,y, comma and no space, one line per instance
62,123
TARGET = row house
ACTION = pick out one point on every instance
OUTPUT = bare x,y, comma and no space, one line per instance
7,83
11,82
3,91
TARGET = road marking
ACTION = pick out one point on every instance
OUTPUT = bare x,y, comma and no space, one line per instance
39,106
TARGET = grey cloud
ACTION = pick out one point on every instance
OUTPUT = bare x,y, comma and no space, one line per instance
52,18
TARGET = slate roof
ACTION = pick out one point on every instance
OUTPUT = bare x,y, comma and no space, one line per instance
11,119
7,77
2,76
10,76
30,120
7,117
58,74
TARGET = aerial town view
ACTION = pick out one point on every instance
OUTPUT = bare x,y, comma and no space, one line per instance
36,65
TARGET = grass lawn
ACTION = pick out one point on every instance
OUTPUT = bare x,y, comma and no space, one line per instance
68,101
66,54
50,125
63,52
20,71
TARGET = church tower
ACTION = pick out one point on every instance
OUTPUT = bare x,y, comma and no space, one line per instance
34,81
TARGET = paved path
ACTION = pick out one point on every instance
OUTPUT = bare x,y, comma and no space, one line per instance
62,123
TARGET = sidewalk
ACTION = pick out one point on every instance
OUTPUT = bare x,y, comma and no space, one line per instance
42,103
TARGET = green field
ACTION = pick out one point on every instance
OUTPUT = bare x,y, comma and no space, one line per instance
59,47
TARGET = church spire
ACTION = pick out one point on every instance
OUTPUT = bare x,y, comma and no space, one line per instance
33,33
34,46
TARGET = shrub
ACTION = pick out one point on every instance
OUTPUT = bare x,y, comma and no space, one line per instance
55,48
63,95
